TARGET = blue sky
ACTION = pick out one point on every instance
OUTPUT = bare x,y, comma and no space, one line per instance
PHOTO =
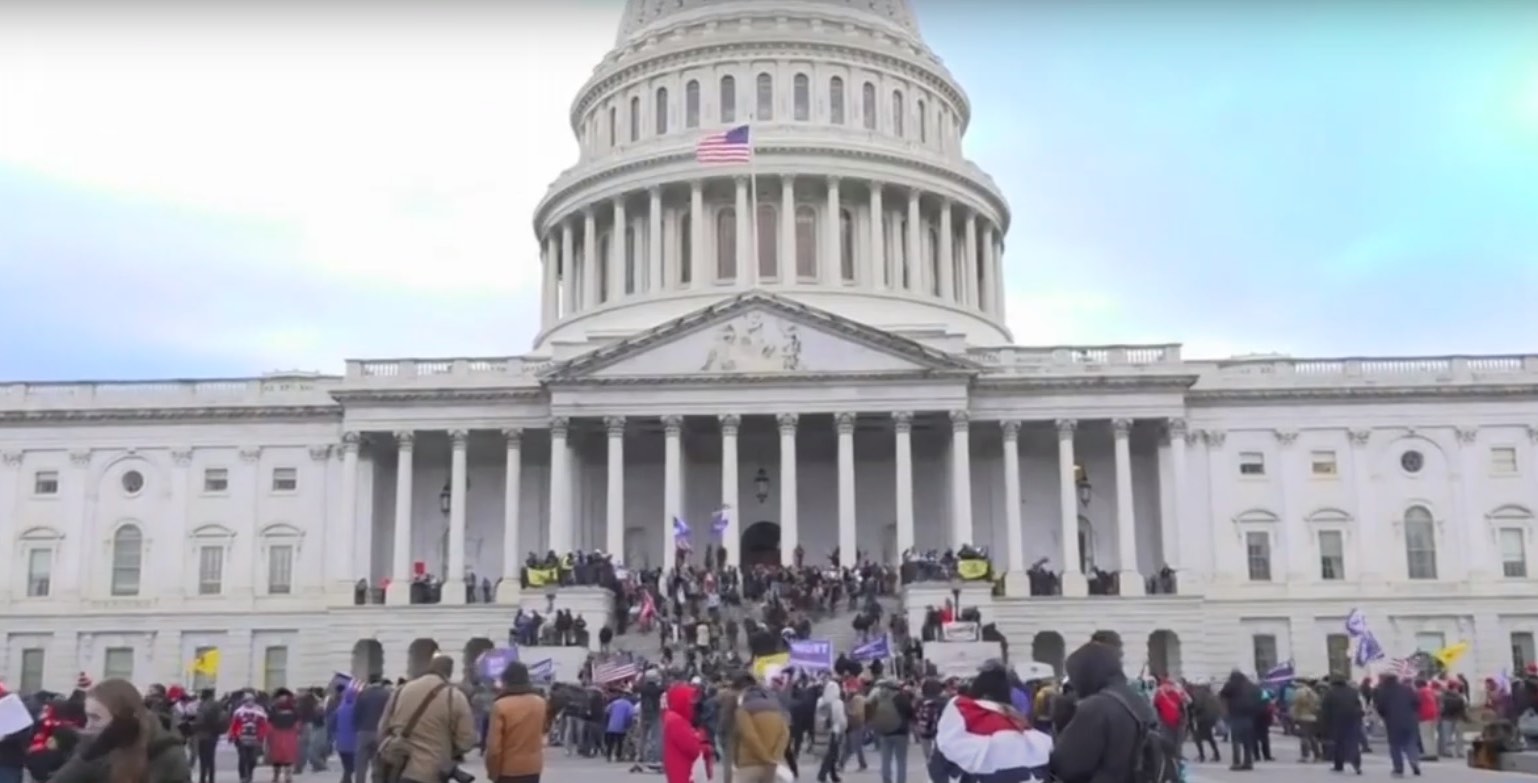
246,191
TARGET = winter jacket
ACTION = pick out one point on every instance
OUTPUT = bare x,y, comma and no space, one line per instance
762,732
681,743
165,752
1399,706
515,738
343,724
832,704
1099,742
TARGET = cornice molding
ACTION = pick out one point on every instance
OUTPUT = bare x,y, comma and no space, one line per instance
441,394
1042,383
221,413
1364,394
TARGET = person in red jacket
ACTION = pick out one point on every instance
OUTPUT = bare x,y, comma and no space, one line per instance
681,742
248,733
1169,702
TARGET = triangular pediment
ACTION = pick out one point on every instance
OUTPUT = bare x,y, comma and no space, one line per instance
760,334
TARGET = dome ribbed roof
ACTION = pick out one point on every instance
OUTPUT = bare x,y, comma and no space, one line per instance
640,14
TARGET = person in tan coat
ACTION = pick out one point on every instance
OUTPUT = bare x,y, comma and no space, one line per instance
515,741
446,730
762,733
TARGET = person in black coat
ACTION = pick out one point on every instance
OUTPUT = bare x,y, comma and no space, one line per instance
1095,745
1242,698
1399,706
1340,719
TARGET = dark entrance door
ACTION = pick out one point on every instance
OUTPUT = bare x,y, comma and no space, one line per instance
761,544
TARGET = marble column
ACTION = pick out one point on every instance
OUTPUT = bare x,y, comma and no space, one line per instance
617,251
700,275
787,267
1015,583
833,238
560,487
848,530
344,572
789,532
947,252
731,479
913,259
747,251
453,592
1173,558
967,289
672,485
592,263
877,267
614,507
1074,583
399,591
1131,579
512,519
902,422
987,302
550,303
961,479
655,281
568,270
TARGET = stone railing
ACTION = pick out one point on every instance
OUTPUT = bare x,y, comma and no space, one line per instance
1059,359
468,370
1398,371
275,389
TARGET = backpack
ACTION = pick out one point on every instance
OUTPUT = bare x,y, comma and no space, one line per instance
1155,758
885,719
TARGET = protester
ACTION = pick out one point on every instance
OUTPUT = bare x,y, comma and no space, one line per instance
515,737
762,736
682,744
1399,706
1340,719
444,729
890,722
980,736
1243,704
830,707
1100,741
124,742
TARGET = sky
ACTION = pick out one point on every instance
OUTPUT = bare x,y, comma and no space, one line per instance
225,189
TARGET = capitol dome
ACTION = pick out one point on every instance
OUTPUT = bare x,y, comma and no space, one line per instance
858,200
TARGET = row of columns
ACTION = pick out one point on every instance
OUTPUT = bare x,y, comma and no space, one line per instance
874,269
561,522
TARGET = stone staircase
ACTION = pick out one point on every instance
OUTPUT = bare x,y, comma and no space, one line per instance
836,628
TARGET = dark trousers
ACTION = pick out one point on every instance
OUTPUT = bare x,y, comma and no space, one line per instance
830,759
1404,746
613,745
245,763
1346,747
1204,738
1241,734
207,748
349,765
517,779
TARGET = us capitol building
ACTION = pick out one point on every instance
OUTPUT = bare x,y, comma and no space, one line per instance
815,341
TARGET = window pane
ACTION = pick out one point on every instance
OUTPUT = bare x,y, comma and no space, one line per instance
1332,555
1322,463
846,245
802,97
127,558
922,122
39,572
1420,544
728,99
765,97
1503,460
46,482
768,241
836,101
692,104
662,109
285,479
726,244
1522,651
1513,553
280,569
897,113
868,105
1264,646
1337,653
216,480
1252,463
210,570
1258,548
275,668
806,242
635,119
32,662
1430,641
118,664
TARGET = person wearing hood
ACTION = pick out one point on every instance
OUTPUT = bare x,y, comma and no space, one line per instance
1399,706
831,704
981,736
1099,744
1244,704
682,744
1340,719
124,742
515,735
342,725
762,736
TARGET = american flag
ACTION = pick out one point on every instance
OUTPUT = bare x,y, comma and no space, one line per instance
728,146
1404,667
616,671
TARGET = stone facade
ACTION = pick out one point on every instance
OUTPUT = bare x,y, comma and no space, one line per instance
869,402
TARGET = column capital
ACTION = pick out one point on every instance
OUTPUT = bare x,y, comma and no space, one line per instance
513,436
615,426
351,441
833,180
405,439
730,423
696,186
741,180
1214,438
1011,429
903,420
673,426
1359,437
320,453
559,426
654,191
961,421
788,180
459,438
787,422
1176,427
844,422
1065,428
1121,427
182,457
1285,437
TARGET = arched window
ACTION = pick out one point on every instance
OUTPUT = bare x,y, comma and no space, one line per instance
802,96
630,282
765,97
1420,543
932,252
692,104
726,244
897,113
806,242
1086,546
923,123
768,241
601,268
846,245
661,110
635,119
868,105
127,560
685,249
613,126
728,99
836,101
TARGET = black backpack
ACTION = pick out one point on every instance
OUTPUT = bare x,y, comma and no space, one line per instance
1156,759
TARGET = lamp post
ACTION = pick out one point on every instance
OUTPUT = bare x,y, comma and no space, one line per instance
1082,484
761,485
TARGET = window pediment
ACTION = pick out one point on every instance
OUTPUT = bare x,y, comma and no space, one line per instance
213,534
40,534
1511,513
281,532
1328,516
1256,516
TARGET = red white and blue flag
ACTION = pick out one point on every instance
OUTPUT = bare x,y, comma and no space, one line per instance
978,740
729,146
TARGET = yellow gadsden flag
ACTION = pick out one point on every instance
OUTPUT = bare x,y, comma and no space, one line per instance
206,664
1450,654
972,570
764,664
539,577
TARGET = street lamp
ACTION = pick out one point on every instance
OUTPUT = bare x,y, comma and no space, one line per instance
1081,482
761,485
446,499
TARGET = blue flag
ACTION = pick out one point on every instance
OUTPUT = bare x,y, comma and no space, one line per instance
877,650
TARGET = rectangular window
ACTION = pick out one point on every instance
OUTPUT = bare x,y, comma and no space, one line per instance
275,668
1430,641
1513,553
45,482
210,570
1264,646
280,569
39,572
1337,654
1503,461
1332,555
1252,463
201,677
32,660
1322,463
1258,547
216,480
1522,651
285,479
118,664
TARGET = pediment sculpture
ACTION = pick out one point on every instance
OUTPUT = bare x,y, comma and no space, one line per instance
753,345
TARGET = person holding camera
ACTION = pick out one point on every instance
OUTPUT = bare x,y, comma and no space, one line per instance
427,729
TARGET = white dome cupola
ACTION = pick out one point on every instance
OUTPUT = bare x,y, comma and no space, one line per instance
858,199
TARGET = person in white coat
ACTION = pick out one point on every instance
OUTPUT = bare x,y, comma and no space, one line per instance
831,704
